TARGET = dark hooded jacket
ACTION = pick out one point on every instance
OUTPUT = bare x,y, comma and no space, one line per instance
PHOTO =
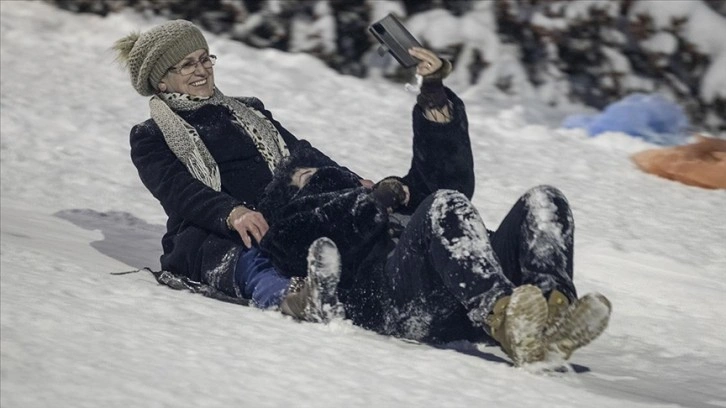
334,205
198,243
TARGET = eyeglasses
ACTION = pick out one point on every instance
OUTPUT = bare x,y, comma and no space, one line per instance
191,66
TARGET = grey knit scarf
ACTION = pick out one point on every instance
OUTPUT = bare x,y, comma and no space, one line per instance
186,144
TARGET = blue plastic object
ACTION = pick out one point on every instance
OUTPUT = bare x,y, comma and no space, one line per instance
649,117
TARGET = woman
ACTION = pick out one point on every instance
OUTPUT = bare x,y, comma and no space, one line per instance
207,158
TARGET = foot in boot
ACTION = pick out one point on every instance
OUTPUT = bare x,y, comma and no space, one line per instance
579,324
517,323
316,299
557,303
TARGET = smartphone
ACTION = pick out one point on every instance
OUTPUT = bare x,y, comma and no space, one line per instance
395,39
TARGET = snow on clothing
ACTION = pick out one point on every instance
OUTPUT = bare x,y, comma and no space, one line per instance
198,243
448,270
442,271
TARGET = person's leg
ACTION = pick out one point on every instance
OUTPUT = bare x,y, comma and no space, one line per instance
259,280
443,268
534,242
535,246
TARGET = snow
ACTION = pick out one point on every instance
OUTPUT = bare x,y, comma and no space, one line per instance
476,30
307,36
581,10
73,210
540,20
549,235
451,203
618,63
704,28
663,43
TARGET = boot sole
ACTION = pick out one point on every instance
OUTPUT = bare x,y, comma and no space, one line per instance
584,321
526,317
324,275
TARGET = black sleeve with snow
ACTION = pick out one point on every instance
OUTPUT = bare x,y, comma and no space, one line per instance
442,156
166,177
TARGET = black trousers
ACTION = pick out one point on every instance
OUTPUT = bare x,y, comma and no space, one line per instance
448,270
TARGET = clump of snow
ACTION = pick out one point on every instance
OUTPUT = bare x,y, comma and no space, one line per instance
548,235
702,27
475,31
662,42
473,243
380,9
581,10
315,34
549,23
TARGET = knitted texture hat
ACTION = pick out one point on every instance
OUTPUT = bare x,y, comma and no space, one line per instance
149,55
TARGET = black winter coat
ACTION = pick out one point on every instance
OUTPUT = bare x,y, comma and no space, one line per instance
334,205
198,243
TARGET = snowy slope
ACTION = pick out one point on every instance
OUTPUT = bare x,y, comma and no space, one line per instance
73,210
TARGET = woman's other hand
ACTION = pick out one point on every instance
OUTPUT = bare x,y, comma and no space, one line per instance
429,62
249,224
391,193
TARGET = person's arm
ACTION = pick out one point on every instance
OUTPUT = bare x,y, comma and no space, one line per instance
172,184
442,156
349,218
432,97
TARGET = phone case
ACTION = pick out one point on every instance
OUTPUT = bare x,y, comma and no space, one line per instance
395,39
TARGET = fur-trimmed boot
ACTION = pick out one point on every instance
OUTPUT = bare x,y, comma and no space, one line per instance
517,323
572,326
314,298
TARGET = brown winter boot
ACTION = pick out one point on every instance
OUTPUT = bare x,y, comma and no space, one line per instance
298,302
517,323
556,306
577,325
495,321
315,297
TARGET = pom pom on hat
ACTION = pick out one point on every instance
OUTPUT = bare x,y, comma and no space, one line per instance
149,55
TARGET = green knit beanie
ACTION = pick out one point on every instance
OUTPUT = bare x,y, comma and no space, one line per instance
148,56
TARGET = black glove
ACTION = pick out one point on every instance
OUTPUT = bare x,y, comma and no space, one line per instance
389,193
432,93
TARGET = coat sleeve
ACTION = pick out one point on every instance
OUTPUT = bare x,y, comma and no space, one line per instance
442,156
171,183
350,219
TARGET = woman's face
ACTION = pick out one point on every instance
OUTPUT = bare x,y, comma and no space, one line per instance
198,83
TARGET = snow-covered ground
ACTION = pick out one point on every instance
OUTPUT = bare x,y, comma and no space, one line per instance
73,210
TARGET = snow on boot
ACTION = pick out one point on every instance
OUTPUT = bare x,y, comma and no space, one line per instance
517,323
315,298
580,323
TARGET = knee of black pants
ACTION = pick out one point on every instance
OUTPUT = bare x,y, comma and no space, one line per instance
447,210
554,194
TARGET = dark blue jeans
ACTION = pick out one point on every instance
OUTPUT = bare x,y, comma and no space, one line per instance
448,270
259,280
